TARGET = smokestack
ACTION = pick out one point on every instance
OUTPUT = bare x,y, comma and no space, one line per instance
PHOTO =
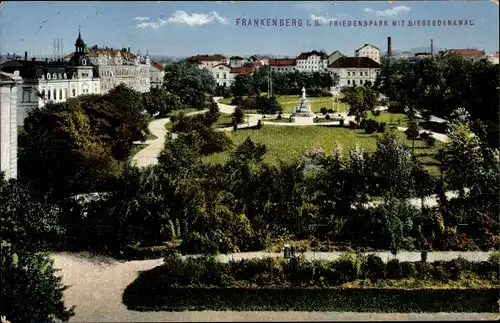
25,56
389,47
432,47
128,49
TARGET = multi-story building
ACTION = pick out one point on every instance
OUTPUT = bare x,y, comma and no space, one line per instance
283,64
313,61
369,51
222,74
8,124
157,74
55,81
115,67
494,58
354,71
473,55
208,60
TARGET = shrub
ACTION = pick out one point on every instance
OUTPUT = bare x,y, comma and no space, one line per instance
291,119
341,122
455,268
423,270
174,118
300,272
408,269
457,241
371,126
238,115
323,110
438,271
330,110
430,141
362,123
394,270
373,268
279,116
345,269
259,124
327,117
381,127
423,256
353,125
235,127
376,113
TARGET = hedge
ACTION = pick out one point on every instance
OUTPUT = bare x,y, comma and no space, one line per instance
157,298
309,285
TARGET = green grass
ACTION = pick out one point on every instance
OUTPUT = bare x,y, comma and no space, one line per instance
289,143
225,120
396,119
169,125
288,102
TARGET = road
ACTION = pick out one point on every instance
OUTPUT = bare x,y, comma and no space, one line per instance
97,285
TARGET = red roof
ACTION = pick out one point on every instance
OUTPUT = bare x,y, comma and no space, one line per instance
354,62
242,70
282,62
103,51
306,55
158,66
467,52
205,58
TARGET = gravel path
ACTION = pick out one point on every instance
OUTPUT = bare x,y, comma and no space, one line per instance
97,285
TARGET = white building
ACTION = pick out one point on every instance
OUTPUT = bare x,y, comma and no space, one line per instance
369,51
313,61
283,64
157,74
115,67
44,81
354,71
493,58
237,61
222,74
8,123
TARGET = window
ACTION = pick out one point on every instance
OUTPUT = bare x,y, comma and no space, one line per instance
60,94
26,95
54,76
348,73
66,93
348,82
55,94
366,73
353,82
74,92
353,73
48,76
48,95
217,75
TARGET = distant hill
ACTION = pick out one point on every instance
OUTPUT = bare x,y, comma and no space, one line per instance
412,51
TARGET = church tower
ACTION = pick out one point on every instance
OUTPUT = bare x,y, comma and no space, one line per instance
79,65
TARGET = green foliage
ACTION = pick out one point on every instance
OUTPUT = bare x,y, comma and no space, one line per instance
31,292
360,99
238,115
160,101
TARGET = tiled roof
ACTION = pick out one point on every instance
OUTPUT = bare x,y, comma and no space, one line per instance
205,58
467,52
222,64
158,66
282,62
357,50
236,57
354,62
305,55
242,70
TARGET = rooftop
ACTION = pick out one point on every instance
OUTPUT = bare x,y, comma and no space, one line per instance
354,62
306,55
467,52
205,58
282,62
365,45
242,70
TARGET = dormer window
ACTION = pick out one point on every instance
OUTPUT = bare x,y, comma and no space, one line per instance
54,76
65,76
48,76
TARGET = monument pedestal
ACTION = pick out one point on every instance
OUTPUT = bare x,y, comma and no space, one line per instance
303,109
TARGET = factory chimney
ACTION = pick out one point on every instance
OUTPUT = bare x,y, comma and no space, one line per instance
432,47
389,47
25,56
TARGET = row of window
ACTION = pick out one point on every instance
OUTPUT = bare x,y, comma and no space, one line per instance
224,76
52,94
360,73
361,82
56,76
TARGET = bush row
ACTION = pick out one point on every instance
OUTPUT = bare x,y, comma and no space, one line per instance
141,295
298,272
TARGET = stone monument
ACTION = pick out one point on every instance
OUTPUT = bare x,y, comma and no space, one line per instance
303,109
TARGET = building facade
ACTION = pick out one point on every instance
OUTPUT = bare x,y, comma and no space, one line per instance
334,56
473,55
283,64
53,81
314,61
237,61
369,51
157,74
354,71
8,123
222,74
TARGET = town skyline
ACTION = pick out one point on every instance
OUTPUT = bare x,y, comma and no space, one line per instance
187,28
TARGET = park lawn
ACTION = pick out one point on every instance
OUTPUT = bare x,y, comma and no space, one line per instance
288,102
289,143
396,119
225,120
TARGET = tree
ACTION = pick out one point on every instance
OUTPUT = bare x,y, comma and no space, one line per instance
160,101
31,292
238,115
361,99
412,133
